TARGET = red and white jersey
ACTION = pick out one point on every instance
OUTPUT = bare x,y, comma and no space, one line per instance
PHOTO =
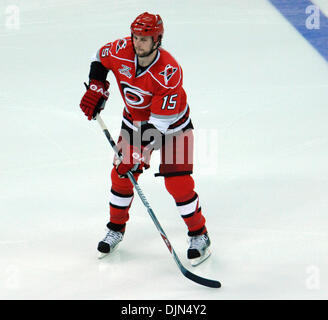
156,95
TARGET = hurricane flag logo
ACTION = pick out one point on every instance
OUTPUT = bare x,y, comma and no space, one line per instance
168,72
121,44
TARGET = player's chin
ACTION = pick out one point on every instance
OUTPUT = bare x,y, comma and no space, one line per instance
142,54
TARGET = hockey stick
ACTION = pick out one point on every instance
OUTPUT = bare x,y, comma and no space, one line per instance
185,272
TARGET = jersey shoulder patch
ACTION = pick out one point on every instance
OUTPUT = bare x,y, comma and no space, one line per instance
167,71
120,48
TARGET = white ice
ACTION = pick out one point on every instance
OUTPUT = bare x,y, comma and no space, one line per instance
258,95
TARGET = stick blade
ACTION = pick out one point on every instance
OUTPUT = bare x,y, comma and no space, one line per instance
203,281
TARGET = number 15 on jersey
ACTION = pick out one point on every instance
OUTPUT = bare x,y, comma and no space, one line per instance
169,102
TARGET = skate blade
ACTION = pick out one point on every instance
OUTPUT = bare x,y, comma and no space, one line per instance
197,261
102,255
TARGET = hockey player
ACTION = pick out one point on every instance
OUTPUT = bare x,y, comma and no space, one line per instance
155,116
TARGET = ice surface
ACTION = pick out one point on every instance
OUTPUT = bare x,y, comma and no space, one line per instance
257,91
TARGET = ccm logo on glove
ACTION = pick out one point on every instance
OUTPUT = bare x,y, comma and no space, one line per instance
94,99
137,156
94,87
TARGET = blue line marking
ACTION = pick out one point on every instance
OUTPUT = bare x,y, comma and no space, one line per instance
310,22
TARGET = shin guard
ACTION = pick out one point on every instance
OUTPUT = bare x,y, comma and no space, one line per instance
182,190
120,199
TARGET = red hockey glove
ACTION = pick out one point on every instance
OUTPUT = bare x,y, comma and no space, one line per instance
94,99
134,160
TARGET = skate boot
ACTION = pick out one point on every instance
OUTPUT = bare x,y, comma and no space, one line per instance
110,242
198,250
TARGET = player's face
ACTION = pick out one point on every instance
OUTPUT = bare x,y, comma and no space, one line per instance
143,45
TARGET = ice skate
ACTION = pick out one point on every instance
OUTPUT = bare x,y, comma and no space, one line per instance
109,243
198,250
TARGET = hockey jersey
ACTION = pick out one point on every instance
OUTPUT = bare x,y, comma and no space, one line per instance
156,94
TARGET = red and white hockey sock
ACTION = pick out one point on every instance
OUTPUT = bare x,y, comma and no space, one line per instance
191,213
119,205
120,200
187,201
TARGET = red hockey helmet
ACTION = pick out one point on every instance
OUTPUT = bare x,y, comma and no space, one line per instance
147,24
